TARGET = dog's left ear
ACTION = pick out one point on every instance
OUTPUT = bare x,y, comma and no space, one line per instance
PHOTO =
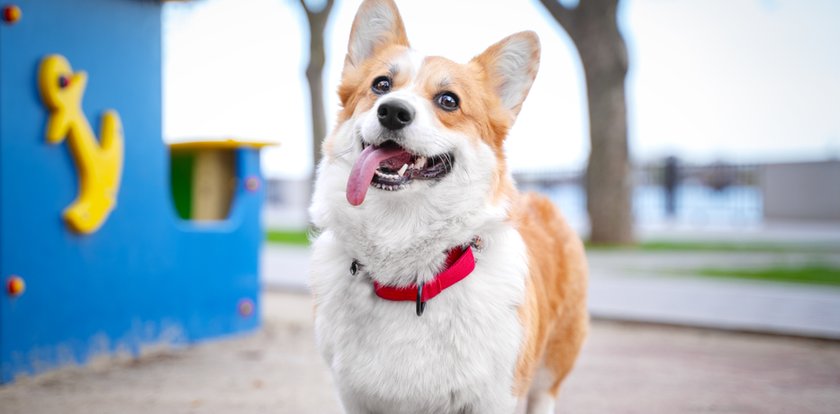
511,66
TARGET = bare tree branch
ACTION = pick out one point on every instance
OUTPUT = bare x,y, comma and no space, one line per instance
564,15
317,14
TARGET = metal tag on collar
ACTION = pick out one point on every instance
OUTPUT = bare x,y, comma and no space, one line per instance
421,306
477,243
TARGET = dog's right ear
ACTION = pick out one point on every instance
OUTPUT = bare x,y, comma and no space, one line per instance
377,24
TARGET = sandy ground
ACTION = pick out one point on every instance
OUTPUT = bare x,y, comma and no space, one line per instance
625,368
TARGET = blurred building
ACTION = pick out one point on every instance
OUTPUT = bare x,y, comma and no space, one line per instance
801,191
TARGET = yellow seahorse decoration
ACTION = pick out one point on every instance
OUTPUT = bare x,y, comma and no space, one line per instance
99,164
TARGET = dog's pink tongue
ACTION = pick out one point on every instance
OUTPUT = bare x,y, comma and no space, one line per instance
366,165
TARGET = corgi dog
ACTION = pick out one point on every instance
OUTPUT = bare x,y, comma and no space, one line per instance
438,288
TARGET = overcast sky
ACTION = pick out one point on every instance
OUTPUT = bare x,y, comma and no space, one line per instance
731,80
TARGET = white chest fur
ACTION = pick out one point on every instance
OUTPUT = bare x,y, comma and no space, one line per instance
458,357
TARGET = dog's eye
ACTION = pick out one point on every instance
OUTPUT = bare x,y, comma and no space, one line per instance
448,101
381,85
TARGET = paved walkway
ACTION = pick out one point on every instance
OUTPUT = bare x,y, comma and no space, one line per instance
658,287
643,286
776,232
285,267
624,368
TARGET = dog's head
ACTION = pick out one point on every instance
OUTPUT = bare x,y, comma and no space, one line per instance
413,124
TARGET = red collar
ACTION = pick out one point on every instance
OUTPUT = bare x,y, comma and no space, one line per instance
459,264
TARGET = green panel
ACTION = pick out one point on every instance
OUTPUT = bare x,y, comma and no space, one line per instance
181,178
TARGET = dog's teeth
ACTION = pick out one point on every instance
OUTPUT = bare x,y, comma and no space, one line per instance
420,163
401,172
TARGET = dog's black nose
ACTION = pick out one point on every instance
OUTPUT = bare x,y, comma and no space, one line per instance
395,114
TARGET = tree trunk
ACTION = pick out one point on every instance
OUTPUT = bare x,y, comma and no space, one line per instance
608,175
593,27
315,76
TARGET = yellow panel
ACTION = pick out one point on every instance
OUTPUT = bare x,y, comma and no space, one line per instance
99,162
220,144
214,181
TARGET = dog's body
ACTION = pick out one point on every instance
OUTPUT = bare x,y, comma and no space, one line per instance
510,330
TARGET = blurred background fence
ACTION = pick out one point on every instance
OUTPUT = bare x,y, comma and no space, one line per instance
717,194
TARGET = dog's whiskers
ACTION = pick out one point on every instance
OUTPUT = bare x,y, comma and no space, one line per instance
345,152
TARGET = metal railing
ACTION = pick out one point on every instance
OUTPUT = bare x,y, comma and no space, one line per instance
725,194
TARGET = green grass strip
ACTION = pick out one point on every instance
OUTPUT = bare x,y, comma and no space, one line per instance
288,237
715,246
819,274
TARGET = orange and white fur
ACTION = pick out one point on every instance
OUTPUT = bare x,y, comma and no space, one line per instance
506,335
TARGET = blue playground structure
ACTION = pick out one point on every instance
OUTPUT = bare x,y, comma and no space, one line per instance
110,240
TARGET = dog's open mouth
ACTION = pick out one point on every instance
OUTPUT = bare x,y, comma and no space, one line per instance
391,167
